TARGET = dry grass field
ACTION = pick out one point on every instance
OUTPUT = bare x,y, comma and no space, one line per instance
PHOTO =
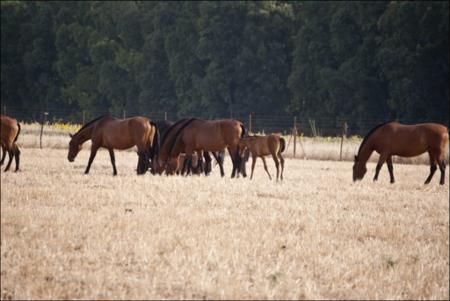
316,235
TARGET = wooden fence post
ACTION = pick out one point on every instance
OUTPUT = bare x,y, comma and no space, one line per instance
43,119
249,123
165,116
344,134
124,114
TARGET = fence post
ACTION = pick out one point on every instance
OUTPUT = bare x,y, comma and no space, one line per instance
124,114
84,116
165,116
43,119
294,133
344,134
250,123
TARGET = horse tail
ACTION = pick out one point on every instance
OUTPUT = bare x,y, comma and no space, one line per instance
154,150
244,131
282,144
18,132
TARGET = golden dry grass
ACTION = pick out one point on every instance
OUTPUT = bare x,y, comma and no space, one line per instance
316,235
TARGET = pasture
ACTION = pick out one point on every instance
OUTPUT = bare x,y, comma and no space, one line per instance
66,235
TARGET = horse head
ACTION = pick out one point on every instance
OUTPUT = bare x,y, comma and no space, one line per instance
359,169
159,165
172,166
74,148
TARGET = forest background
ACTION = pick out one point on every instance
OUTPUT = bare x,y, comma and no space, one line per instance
355,61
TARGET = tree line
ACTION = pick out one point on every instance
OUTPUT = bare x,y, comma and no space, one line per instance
362,60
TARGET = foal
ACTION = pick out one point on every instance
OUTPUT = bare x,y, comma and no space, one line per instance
260,146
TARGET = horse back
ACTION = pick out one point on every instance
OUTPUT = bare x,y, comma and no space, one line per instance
409,140
124,133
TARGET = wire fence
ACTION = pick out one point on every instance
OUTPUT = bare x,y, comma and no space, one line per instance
309,126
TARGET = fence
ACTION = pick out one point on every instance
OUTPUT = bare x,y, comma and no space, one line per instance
289,125
306,125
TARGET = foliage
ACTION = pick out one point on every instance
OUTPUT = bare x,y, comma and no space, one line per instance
359,60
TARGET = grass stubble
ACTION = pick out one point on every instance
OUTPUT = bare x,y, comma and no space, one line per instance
316,235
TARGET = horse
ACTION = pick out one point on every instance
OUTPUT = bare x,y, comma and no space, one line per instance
163,126
10,130
112,133
173,165
260,146
196,135
393,138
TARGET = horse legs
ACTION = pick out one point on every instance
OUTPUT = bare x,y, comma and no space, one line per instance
16,157
253,165
220,162
432,168
3,154
94,149
113,161
390,168
10,153
201,164
186,166
234,153
277,164
265,167
208,166
188,163
282,165
442,169
380,163
143,162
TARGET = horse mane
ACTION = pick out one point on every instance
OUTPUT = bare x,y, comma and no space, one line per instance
178,133
370,133
166,133
91,122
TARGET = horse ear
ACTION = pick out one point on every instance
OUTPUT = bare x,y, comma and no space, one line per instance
71,136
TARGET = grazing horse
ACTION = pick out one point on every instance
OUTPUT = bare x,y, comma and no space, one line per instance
197,135
392,138
112,133
173,165
260,146
10,130
163,127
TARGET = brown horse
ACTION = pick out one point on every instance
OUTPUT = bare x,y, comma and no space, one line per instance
112,133
260,146
392,138
10,130
173,164
196,135
167,140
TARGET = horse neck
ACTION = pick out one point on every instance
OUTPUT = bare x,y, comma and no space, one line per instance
84,134
365,151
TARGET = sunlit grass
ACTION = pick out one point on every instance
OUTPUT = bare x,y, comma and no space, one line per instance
316,235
